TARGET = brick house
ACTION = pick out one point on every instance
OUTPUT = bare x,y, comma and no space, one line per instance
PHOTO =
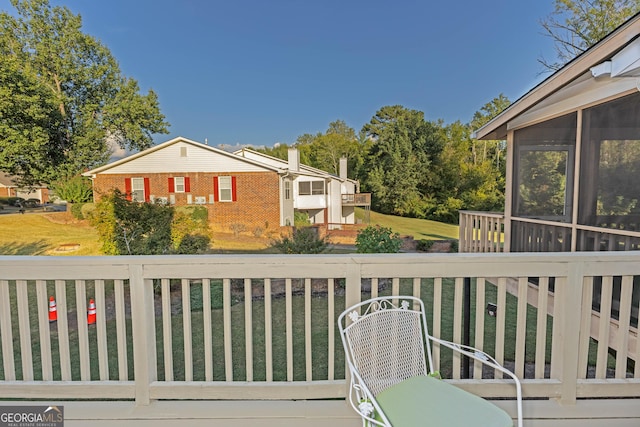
8,188
236,189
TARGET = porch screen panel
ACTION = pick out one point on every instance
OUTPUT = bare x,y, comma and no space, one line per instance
609,185
544,162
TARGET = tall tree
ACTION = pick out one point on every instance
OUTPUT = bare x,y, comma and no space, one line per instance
402,160
576,25
489,150
84,101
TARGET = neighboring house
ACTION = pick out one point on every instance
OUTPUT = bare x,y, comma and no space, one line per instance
247,190
325,198
573,157
8,188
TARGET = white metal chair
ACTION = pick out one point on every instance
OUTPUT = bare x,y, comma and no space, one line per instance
388,346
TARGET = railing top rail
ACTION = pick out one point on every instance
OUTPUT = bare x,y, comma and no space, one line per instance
487,214
316,266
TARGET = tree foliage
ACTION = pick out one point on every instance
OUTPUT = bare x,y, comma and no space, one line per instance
576,25
402,162
65,97
73,190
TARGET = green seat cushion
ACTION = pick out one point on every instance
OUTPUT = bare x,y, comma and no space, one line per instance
427,401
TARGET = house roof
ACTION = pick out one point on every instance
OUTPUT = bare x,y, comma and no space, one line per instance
171,142
304,169
573,73
6,180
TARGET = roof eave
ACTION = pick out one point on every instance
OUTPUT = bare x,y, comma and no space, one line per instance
601,51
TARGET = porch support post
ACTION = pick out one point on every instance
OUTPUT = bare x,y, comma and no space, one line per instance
571,301
508,196
144,334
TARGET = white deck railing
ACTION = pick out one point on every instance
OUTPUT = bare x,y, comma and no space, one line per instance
160,334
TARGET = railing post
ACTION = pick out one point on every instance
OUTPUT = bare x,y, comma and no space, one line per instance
568,343
353,284
144,334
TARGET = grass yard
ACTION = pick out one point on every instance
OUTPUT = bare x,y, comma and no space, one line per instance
58,234
418,228
46,234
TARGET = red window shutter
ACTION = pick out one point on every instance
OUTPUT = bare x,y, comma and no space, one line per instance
172,187
147,190
187,185
127,188
216,194
233,189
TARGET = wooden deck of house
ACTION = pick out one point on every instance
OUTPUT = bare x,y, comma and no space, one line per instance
251,340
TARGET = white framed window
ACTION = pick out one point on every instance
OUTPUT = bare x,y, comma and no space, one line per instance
308,188
317,187
225,189
287,190
137,189
178,183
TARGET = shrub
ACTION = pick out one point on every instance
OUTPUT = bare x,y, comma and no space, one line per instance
87,210
371,240
454,246
300,219
194,244
76,210
258,231
132,228
303,240
73,190
190,223
424,245
237,228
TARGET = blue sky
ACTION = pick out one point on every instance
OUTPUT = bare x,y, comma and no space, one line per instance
265,71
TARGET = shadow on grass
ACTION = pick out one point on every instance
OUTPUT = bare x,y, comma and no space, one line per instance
435,236
39,247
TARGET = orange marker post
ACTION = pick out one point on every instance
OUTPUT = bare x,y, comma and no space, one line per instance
53,310
91,313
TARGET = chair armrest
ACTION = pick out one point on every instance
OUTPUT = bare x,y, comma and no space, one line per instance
486,359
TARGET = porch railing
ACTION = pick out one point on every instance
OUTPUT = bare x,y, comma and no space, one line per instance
356,199
263,326
481,231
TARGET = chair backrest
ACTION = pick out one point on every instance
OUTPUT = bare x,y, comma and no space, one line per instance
385,340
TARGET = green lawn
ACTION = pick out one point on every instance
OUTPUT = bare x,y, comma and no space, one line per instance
418,228
38,234
45,234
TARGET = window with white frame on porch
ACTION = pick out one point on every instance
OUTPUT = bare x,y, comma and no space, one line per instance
308,188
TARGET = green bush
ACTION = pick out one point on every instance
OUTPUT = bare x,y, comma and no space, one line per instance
377,239
190,223
132,228
303,240
424,245
76,210
74,190
301,219
87,210
193,244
